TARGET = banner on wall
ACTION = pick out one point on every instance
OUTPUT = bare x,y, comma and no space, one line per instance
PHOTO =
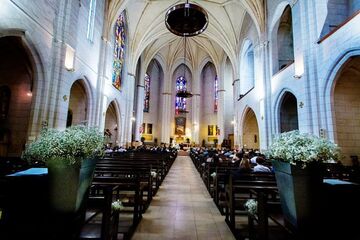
180,124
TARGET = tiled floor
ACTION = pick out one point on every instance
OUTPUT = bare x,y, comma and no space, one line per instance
182,209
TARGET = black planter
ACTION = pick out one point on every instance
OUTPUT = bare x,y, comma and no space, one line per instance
300,191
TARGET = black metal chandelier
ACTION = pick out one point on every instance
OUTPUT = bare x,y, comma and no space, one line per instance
186,19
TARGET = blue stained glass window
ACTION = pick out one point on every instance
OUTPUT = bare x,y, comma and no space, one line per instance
119,51
180,103
147,93
216,96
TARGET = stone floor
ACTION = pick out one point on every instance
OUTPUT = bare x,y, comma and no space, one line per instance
182,208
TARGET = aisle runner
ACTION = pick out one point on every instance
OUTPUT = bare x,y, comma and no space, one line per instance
182,208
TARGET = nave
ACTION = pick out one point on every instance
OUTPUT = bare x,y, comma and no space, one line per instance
182,208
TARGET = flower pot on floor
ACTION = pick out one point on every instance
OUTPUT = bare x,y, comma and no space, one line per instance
299,190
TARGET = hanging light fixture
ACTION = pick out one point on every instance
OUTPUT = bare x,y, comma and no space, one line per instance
186,20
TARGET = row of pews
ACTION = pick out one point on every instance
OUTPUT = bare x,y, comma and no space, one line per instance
133,178
230,192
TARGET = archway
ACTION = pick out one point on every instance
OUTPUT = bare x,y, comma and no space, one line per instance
16,83
111,123
288,113
78,105
250,133
283,44
346,105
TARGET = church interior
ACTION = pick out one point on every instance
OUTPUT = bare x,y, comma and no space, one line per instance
181,92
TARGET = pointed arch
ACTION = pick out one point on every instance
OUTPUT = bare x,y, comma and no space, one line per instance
16,95
250,134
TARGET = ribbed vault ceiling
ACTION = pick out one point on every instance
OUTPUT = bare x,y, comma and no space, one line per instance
148,35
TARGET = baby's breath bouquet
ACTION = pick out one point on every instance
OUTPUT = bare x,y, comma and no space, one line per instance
69,146
251,206
301,149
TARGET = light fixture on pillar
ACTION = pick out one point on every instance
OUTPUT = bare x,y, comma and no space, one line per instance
186,20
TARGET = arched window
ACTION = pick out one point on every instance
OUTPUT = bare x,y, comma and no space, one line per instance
180,103
283,52
247,68
147,93
216,95
91,21
119,50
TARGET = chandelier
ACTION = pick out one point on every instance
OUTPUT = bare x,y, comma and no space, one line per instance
186,20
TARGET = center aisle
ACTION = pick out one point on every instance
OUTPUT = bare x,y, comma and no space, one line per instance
182,208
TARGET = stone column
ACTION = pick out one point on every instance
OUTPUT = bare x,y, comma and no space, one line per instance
166,110
220,111
139,118
195,100
129,88
237,117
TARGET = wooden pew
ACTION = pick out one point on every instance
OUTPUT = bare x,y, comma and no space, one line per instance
259,186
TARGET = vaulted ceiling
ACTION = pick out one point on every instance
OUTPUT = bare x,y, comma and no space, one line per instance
148,35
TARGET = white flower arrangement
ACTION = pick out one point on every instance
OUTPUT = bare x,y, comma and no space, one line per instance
251,206
153,174
117,205
70,146
301,148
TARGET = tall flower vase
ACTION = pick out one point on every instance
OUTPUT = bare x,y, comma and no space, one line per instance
68,190
299,190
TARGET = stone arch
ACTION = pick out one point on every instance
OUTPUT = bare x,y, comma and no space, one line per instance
17,78
282,39
250,129
345,105
112,124
328,93
288,119
39,84
247,67
79,103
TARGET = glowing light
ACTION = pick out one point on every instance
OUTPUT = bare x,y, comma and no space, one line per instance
69,58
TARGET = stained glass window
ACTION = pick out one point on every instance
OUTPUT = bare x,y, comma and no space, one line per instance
91,21
147,93
119,50
180,103
216,95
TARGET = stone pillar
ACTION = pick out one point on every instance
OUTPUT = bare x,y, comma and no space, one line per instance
166,109
263,78
139,118
237,117
129,124
220,111
66,22
195,100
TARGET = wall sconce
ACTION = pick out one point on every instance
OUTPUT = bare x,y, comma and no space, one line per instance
69,58
133,119
233,122
29,94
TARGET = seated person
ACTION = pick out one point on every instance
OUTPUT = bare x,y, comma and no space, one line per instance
244,167
260,167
